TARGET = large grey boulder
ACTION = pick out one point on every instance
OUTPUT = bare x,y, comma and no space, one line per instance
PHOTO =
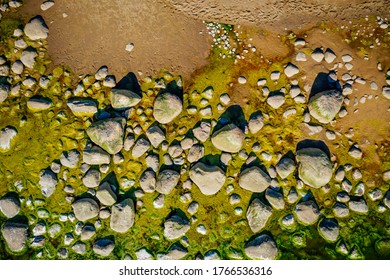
15,235
70,159
307,212
122,216
167,106
103,247
176,226
9,206
108,134
7,134
82,106
256,122
155,135
329,229
254,179
258,215
123,98
167,180
325,105
285,167
106,195
96,156
314,167
48,182
262,247
36,29
92,178
28,57
85,209
229,138
209,179
147,181
39,103
4,90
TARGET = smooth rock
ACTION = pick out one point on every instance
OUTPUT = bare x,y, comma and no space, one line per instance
155,135
167,107
82,107
258,214
262,247
314,167
229,138
140,147
103,247
123,98
256,122
15,235
276,100
4,91
70,159
106,195
291,70
275,199
92,178
175,227
9,206
122,216
96,156
254,179
39,103
36,29
307,212
329,229
285,167
147,181
202,132
167,180
209,179
48,182
85,209
7,135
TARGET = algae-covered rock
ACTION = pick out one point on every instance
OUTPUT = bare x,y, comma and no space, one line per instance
229,138
209,179
314,167
108,134
167,107
324,105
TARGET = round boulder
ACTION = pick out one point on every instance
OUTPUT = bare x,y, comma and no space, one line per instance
167,180
324,105
254,179
15,235
85,209
307,212
262,247
209,179
122,216
314,168
228,139
167,106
